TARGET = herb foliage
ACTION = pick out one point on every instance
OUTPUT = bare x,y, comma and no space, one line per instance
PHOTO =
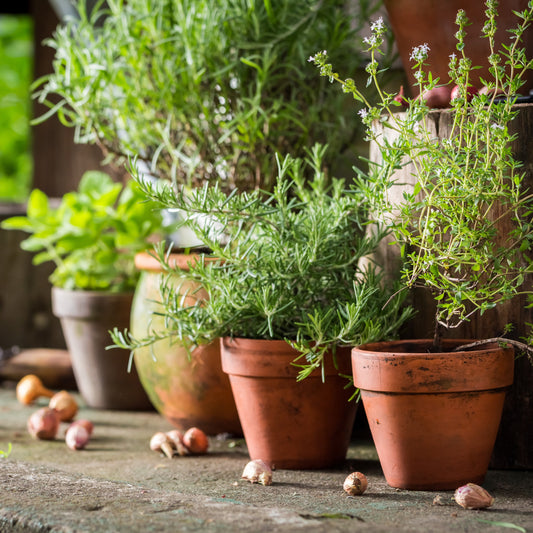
203,90
284,265
465,229
92,236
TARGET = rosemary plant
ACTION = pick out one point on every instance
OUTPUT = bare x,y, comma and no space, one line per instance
465,229
285,265
203,90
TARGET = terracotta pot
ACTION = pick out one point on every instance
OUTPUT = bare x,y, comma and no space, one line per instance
287,423
101,375
415,22
433,416
186,391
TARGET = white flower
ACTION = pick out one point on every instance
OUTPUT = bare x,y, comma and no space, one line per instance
452,57
419,53
495,126
363,113
377,25
371,41
318,55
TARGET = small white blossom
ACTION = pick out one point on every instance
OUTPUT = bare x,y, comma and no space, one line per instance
418,75
377,25
370,41
312,59
495,126
452,57
363,113
419,53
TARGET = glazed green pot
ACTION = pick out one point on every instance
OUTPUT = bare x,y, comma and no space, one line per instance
187,391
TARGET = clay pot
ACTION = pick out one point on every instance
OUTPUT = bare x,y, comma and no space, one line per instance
415,22
101,375
433,416
186,391
287,423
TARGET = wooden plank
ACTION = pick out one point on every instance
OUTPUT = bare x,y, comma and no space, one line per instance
26,318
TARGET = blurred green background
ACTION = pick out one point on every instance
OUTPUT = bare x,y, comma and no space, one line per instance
16,66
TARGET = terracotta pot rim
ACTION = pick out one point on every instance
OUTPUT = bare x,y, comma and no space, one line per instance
98,305
244,341
395,371
146,261
242,356
91,293
390,348
248,340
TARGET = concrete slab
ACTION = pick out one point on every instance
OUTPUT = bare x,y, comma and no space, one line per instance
118,484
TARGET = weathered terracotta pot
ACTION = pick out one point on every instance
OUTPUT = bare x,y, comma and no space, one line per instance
186,391
101,375
287,423
433,416
415,22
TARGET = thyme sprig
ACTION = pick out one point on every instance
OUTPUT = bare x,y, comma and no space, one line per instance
465,228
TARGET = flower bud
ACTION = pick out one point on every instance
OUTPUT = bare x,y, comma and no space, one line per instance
473,496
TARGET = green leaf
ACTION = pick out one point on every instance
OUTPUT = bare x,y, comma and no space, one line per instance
37,204
508,525
19,222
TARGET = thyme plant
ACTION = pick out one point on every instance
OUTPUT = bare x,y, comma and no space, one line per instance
285,265
203,90
465,229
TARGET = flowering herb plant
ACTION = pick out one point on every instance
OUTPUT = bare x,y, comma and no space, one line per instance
284,265
200,90
465,227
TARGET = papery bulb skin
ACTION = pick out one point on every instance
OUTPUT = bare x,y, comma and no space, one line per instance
196,441
472,496
29,388
64,403
438,97
471,91
43,424
87,424
355,484
176,436
257,471
77,437
161,443
401,99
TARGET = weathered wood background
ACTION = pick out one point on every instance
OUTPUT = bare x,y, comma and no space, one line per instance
25,309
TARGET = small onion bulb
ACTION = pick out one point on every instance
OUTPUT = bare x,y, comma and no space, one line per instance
355,484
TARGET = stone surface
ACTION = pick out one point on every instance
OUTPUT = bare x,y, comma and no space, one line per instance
118,484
